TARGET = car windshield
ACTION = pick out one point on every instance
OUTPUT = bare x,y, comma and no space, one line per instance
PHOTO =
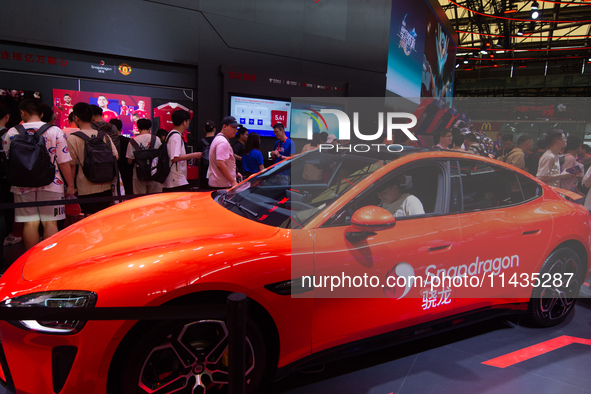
292,193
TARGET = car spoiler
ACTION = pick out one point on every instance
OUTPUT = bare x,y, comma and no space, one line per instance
571,196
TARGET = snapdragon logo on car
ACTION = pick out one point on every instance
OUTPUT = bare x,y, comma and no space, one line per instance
400,280
344,132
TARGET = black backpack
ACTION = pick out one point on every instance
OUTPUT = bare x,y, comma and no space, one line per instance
109,130
162,166
205,157
29,163
99,162
145,164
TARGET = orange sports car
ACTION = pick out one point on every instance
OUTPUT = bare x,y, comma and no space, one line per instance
337,251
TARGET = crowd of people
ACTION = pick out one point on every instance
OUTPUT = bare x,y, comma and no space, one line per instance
89,158
86,160
555,159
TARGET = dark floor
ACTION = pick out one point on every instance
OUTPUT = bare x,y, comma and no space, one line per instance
452,362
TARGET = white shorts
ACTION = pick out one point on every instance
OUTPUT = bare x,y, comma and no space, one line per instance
44,214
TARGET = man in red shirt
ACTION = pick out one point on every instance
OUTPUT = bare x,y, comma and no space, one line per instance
65,110
141,111
107,113
124,109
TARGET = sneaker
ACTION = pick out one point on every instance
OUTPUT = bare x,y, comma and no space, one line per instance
11,240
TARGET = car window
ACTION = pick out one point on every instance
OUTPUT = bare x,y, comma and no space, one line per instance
530,189
410,192
486,186
283,197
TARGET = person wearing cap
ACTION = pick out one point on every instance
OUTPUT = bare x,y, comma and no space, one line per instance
284,147
332,139
205,142
178,156
222,164
396,201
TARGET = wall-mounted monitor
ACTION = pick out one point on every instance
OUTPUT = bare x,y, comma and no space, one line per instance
126,108
260,114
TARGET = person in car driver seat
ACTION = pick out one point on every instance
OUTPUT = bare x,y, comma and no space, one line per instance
396,201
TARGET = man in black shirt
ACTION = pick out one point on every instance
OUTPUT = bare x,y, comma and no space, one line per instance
202,146
238,147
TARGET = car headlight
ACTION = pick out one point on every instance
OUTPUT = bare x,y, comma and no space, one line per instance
52,299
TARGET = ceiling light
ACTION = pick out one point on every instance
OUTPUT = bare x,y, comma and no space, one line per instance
520,31
534,5
535,14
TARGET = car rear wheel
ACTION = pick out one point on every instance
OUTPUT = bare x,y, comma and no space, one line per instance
189,357
560,281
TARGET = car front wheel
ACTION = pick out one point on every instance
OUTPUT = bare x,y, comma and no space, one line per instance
189,357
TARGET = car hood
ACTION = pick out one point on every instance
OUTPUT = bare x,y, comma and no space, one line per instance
139,225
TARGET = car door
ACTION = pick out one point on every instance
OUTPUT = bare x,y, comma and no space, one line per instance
505,231
361,307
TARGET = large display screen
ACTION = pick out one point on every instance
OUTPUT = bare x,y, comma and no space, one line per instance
301,112
438,63
407,45
260,114
126,108
421,55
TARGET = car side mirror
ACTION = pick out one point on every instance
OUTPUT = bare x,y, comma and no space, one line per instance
368,219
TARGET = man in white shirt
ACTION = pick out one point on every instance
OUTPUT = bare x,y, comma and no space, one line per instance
177,179
59,154
143,141
549,168
222,164
396,201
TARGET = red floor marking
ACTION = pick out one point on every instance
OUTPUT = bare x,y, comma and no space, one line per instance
533,351
586,284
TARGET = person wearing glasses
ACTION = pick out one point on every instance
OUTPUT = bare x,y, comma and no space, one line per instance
443,139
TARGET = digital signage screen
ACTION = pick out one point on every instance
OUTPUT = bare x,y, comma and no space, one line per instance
126,108
407,45
260,114
439,62
421,54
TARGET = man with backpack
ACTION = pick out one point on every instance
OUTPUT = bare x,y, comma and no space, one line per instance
98,123
177,177
141,144
95,155
42,147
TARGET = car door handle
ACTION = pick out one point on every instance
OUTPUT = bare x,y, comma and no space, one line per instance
439,247
531,232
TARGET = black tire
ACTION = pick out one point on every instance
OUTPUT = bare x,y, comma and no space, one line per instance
188,356
550,306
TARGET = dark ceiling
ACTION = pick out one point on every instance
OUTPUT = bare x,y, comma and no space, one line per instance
558,42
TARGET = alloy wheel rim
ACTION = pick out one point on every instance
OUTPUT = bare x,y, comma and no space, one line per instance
193,361
557,301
